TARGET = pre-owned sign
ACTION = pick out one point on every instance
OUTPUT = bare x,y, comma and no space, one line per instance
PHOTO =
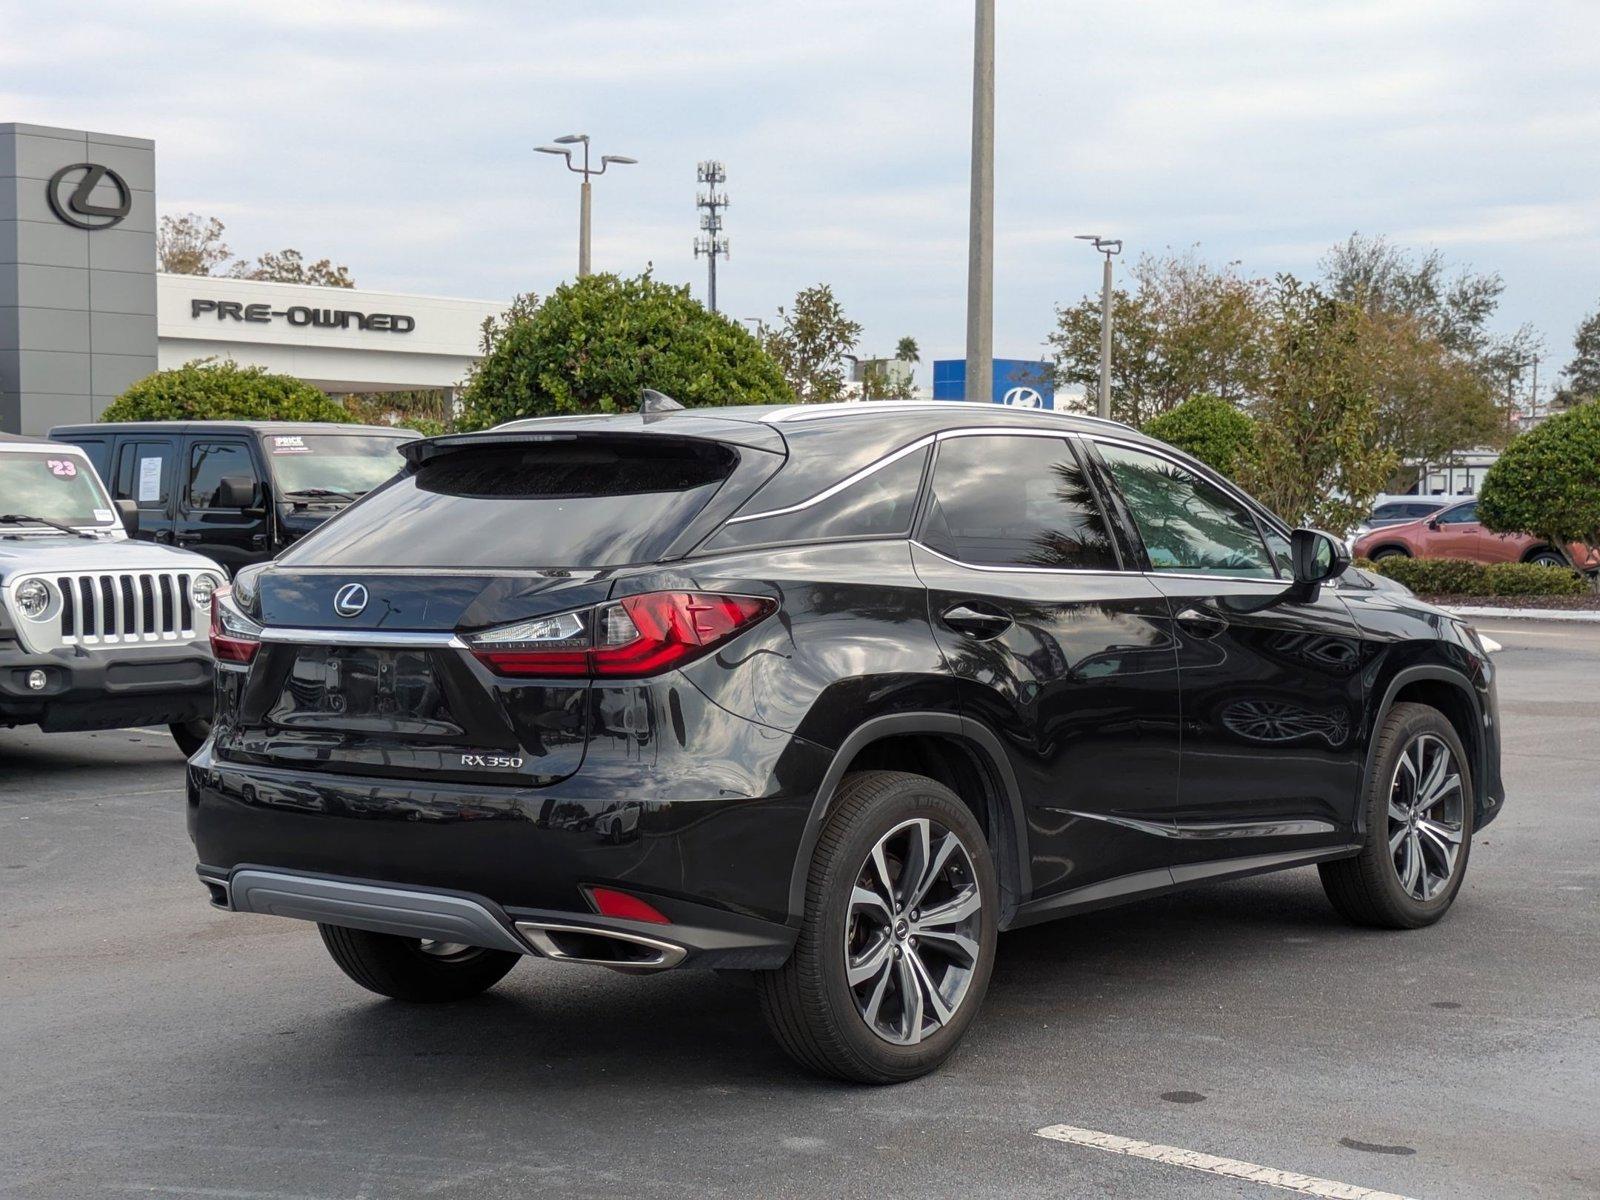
304,314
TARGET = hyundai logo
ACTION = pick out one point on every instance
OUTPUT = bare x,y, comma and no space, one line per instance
1023,397
350,600
75,207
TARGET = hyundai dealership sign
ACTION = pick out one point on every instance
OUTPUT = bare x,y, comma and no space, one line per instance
1017,382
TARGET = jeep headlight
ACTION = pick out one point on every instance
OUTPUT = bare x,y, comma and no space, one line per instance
202,587
33,598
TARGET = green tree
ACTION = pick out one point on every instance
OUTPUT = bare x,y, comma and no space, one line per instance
1547,482
907,350
429,411
808,342
595,343
1211,429
1320,459
887,379
214,391
1583,372
1184,329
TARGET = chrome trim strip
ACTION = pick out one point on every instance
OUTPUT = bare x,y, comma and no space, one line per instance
956,562
537,934
849,480
402,639
1211,830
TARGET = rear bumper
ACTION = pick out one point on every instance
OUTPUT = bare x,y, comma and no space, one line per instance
715,860
101,691
473,920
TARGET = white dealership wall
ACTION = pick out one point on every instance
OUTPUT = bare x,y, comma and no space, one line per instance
300,331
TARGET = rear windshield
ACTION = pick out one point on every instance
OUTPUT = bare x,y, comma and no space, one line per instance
579,503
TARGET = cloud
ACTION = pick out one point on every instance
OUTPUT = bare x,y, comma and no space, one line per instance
397,137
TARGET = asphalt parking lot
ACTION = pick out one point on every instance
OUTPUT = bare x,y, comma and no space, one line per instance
151,1046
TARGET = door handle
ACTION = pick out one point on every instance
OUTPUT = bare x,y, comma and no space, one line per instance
187,538
982,624
1200,623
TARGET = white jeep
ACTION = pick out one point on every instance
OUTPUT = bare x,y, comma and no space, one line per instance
97,630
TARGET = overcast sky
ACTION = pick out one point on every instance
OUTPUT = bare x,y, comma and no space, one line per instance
396,136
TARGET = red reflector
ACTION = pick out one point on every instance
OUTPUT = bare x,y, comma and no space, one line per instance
226,647
609,902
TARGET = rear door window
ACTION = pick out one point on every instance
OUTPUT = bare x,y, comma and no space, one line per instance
574,501
144,473
1009,501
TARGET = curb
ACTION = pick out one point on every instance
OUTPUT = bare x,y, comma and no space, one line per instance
1525,614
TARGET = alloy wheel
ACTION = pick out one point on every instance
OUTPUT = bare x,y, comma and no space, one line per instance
913,933
1426,807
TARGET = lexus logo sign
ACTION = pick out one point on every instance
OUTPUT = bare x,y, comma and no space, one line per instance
71,195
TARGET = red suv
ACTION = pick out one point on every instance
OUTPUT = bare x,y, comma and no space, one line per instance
1456,532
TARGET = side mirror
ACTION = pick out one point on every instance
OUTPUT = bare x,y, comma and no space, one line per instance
1433,524
236,491
128,510
1318,557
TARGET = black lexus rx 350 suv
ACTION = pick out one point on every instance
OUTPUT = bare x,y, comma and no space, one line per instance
830,695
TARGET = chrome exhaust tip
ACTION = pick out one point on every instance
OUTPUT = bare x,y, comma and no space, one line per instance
632,953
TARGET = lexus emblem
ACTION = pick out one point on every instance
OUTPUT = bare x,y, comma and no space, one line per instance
70,195
350,600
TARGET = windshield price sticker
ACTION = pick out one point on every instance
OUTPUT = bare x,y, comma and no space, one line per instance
104,515
64,468
289,444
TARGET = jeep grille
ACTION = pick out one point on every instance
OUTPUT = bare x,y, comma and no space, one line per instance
143,606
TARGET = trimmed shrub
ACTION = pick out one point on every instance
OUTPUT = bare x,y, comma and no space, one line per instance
222,391
1212,430
596,342
1547,482
1459,577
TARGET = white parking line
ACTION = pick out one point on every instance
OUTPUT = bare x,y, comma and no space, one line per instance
1194,1160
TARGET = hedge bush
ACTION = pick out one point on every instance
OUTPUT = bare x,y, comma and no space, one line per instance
222,391
1212,430
1459,577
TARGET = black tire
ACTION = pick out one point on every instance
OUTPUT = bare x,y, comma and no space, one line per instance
1384,552
1368,889
1546,557
400,968
190,736
809,1004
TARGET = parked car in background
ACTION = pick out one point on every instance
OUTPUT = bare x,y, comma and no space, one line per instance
1455,532
1399,510
830,694
237,491
96,631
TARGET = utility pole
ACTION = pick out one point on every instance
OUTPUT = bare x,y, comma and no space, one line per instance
980,231
1109,247
711,174
563,147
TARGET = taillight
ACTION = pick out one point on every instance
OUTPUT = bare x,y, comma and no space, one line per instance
235,638
641,635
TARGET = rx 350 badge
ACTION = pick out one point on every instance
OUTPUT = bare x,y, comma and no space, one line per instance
505,762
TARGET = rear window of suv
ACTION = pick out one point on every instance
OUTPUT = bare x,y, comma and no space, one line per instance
578,503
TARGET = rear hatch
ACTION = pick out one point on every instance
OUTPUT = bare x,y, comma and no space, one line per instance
364,665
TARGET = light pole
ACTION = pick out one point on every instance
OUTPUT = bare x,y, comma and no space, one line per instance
980,228
563,147
1109,247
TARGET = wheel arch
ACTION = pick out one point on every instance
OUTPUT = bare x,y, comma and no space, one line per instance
1452,694
960,753
1399,548
1539,548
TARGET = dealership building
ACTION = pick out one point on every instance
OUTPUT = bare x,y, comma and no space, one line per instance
84,312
